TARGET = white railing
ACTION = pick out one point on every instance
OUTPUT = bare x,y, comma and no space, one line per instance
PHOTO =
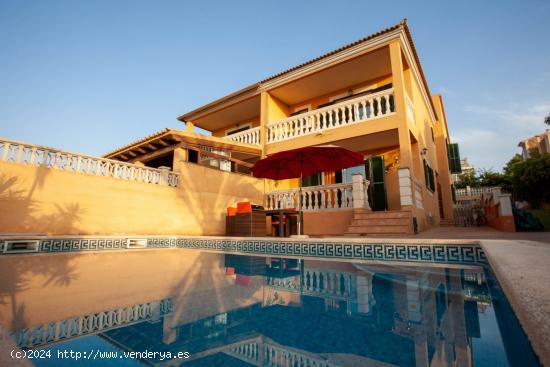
33,155
276,356
410,108
248,352
91,324
250,136
318,282
355,110
314,198
474,191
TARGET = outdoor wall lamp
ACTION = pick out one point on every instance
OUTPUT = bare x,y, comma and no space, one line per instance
424,151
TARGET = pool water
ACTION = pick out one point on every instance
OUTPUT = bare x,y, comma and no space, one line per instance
206,309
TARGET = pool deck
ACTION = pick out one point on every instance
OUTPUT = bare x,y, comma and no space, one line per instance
481,233
522,268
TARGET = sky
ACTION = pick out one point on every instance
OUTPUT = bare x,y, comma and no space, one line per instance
90,76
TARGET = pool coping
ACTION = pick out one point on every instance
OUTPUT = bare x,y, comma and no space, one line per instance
351,249
525,281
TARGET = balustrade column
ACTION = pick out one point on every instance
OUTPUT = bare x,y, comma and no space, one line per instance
359,194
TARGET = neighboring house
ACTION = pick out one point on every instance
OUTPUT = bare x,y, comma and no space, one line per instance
370,96
536,144
465,169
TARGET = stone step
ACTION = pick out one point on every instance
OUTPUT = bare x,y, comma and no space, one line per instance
386,229
446,223
382,215
380,221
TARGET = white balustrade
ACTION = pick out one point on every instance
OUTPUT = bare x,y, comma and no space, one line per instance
410,108
248,352
474,191
250,136
345,113
314,198
27,154
327,283
90,324
278,356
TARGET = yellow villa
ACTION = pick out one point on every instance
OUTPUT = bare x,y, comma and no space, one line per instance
369,96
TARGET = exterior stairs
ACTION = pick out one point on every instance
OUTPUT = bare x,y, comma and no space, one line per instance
446,223
380,224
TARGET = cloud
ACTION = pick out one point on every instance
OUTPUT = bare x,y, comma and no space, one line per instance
444,91
530,116
490,137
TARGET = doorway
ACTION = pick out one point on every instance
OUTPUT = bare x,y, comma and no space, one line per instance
376,174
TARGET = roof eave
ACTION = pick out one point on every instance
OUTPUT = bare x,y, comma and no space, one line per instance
220,103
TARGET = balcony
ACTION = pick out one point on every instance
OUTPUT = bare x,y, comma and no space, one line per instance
346,113
250,136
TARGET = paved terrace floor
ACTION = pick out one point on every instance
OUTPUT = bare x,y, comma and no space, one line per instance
480,233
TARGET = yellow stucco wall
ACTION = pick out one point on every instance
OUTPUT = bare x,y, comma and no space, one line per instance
254,122
314,103
41,200
332,223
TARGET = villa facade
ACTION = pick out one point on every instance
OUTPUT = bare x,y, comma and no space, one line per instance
370,96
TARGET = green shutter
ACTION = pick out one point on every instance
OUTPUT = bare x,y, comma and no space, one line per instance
432,179
454,158
426,177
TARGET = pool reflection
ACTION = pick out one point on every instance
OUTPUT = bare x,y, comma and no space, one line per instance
240,310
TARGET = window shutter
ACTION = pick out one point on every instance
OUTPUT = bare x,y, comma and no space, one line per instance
454,158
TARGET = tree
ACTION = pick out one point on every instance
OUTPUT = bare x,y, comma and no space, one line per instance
547,120
508,169
530,179
490,178
467,179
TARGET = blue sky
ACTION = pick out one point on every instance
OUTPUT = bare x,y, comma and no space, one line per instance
90,76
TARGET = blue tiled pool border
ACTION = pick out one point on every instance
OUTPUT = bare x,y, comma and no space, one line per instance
316,248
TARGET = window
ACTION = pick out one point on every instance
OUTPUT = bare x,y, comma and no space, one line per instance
429,176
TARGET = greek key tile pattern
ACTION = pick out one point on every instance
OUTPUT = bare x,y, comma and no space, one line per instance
70,245
434,253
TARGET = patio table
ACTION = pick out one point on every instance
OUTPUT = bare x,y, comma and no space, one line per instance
281,214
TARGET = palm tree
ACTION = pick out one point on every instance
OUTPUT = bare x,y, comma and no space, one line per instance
547,120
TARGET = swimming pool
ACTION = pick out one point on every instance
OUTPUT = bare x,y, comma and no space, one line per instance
189,306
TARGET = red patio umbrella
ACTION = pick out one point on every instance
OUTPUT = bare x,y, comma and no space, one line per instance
305,162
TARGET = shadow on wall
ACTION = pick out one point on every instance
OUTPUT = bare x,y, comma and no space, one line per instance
18,209
210,197
46,201
20,273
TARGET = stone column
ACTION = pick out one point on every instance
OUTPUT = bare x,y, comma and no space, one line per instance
180,157
155,311
164,172
405,186
169,331
359,191
365,298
